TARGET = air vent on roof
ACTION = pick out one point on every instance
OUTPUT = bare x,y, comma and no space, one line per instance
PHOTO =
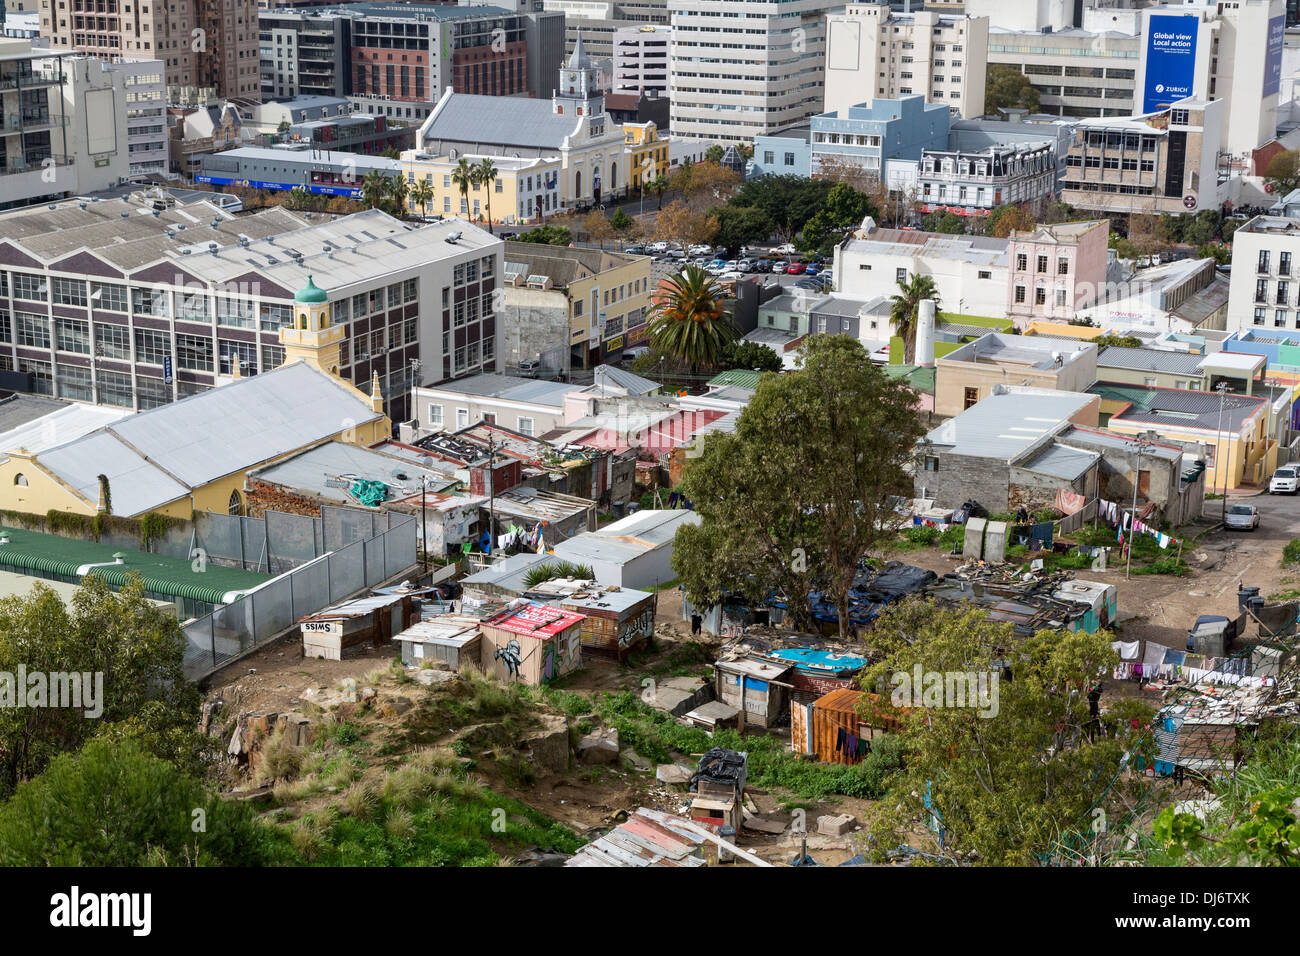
244,240
454,237
126,215
81,205
54,205
185,252
156,215
212,248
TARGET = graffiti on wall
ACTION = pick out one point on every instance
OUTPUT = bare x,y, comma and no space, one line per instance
633,629
511,657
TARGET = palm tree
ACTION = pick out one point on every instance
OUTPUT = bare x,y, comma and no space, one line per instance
906,307
374,189
464,177
487,175
688,321
422,193
658,186
398,190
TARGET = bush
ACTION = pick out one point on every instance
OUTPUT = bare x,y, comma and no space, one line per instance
112,804
922,534
1291,553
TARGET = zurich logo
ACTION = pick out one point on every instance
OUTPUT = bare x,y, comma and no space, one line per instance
1160,87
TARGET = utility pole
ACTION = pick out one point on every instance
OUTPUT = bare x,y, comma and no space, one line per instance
1219,464
1143,445
492,494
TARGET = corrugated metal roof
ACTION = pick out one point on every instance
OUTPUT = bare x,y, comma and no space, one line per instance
510,388
314,469
498,120
745,378
535,620
648,838
1004,425
1061,462
136,484
1149,360
59,425
358,607
634,384
449,630
176,577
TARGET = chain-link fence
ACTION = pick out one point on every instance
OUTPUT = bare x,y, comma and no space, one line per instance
276,542
384,546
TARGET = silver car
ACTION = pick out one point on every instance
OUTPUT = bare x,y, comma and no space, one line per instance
1242,518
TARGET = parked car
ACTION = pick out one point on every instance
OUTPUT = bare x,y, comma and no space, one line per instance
716,266
828,276
1285,481
658,248
636,249
812,269
1242,518
785,250
634,353
700,250
530,369
809,285
745,265
731,275
794,269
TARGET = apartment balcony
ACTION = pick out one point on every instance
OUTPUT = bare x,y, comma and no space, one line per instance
33,164
29,81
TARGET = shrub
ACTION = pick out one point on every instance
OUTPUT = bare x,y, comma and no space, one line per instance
922,534
1291,552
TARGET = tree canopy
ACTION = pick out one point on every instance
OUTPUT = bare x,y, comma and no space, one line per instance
1283,171
1014,775
1005,87
843,210
547,234
798,493
688,320
135,646
751,355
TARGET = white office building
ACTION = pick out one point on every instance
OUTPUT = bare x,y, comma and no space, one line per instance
641,59
1265,288
741,69
1229,51
874,53
1077,73
975,182
146,115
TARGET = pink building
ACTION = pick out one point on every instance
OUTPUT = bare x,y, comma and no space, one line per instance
1053,271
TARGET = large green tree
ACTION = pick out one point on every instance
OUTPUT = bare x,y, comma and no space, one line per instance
547,234
906,308
1013,766
843,210
137,649
1005,87
113,804
742,225
1283,172
799,492
752,355
689,321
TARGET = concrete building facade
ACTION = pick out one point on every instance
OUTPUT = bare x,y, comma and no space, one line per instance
873,52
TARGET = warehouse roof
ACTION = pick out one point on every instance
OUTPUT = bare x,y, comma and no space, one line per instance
509,388
507,121
329,469
37,554
160,455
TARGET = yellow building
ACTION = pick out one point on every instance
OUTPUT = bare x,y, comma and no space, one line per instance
1063,330
1192,419
194,454
524,190
647,154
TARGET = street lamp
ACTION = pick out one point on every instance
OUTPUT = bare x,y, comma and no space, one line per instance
1143,445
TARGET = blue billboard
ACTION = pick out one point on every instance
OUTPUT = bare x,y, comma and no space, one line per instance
1171,60
1273,55
352,192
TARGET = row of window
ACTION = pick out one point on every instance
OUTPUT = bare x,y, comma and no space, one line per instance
1040,296
1041,264
1283,262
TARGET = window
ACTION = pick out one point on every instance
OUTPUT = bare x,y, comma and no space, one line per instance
152,392
1282,289
74,382
1062,267
41,373
1040,296
193,307
29,287
194,352
932,462
232,354
72,336
1259,316
237,313
6,329
149,302
1263,261
1261,290
985,274
1022,262
1284,263
525,426
111,298
115,389
1042,263
33,330
462,418
1279,318
275,317
900,275
152,347
272,356
70,292
1020,295
359,306
970,396
789,159
435,415
112,341
410,290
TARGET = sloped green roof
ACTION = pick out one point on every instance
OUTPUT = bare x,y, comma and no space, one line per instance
175,577
743,377
917,376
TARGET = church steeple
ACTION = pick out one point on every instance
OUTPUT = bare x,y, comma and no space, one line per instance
312,337
578,93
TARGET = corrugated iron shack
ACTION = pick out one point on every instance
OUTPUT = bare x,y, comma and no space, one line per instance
839,727
451,638
759,688
330,632
618,620
647,838
530,642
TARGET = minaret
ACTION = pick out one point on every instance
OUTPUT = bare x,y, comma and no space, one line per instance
312,337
